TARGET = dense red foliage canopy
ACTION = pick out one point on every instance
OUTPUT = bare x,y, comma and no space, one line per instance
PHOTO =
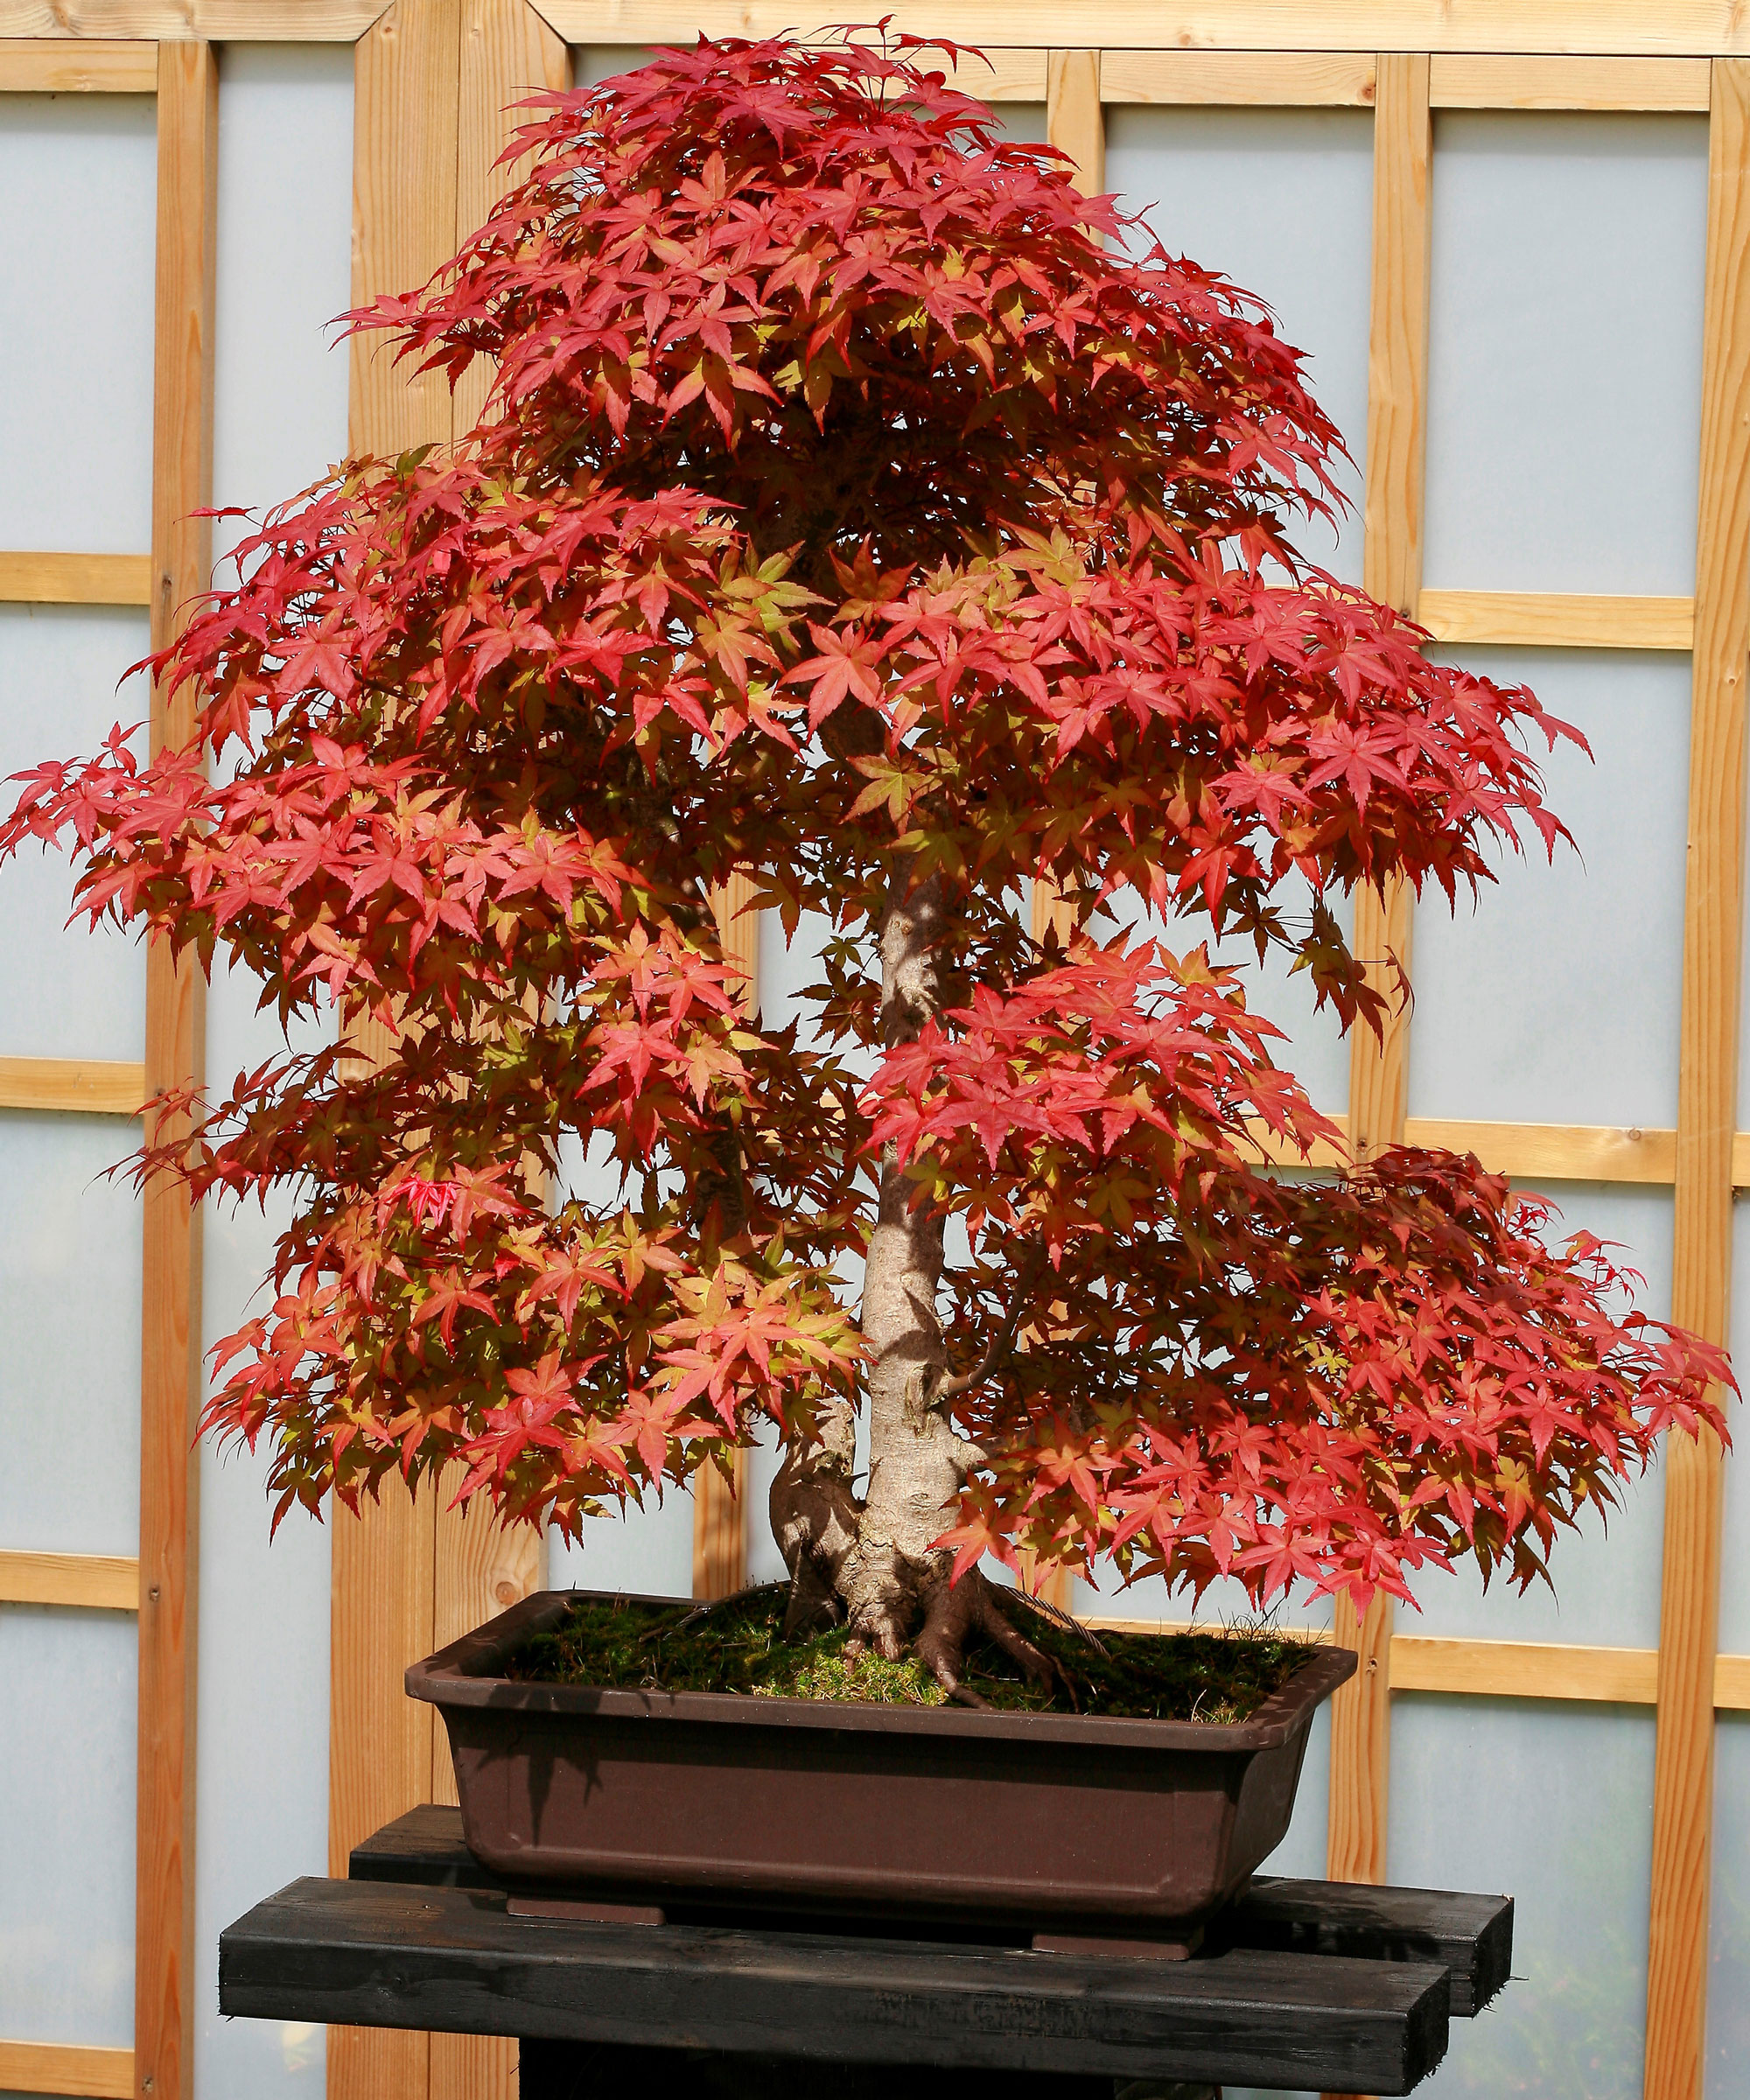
851,507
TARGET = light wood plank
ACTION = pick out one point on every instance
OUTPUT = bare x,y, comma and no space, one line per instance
66,2067
1707,1089
1398,377
39,65
1553,620
170,1365
1534,1151
1732,1683
1249,79
382,1753
1361,1744
508,54
1505,1670
1001,76
721,1511
1677,28
1498,81
1523,1670
1075,122
226,21
77,579
97,1582
406,98
78,1086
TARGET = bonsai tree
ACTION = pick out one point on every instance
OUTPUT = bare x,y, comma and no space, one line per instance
849,509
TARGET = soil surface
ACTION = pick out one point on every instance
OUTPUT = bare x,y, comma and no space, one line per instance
738,1646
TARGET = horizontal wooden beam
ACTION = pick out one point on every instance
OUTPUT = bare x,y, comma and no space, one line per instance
90,66
227,21
64,2067
1492,81
1523,1670
1252,80
78,1086
1672,28
1529,1151
1502,1669
76,579
1005,76
97,1582
1554,1152
1557,620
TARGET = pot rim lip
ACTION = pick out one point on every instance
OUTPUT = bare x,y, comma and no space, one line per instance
465,1674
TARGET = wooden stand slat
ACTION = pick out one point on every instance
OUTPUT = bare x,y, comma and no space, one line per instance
1472,1936
377,1953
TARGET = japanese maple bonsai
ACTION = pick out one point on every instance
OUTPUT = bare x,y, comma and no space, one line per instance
856,505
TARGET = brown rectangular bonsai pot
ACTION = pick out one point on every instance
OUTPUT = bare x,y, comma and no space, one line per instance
1040,1822
1064,1823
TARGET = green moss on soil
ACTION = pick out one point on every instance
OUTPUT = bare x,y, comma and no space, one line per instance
738,1646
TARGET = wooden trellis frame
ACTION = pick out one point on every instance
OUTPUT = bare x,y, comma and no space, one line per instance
432,76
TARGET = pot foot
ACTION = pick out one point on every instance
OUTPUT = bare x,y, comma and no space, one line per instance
1155,1951
570,1910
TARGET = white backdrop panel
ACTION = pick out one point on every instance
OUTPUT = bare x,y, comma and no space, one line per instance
1564,351
70,993
1554,997
70,1313
1281,201
67,1776
285,128
1728,1978
1551,1804
78,202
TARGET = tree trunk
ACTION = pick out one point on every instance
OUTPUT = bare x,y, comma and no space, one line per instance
875,1561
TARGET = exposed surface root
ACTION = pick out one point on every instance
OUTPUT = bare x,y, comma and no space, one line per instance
954,1614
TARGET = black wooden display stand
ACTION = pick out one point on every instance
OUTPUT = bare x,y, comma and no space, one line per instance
1330,1985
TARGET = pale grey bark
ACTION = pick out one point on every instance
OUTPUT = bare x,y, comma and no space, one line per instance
877,1562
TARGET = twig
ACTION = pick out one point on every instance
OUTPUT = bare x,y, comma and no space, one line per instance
963,1382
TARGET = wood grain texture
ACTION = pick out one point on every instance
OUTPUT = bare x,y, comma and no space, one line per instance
1075,122
721,1511
226,21
1697,28
80,1086
406,100
382,1951
1495,82
62,2067
39,65
1552,619
98,1582
1360,1744
171,1386
1397,332
380,1741
1250,79
383,1750
1707,1090
1523,1670
508,54
77,579
1397,389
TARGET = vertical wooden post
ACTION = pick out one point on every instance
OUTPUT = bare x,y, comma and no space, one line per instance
433,82
1076,123
1398,367
406,85
720,1514
506,53
1707,1091
170,1366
